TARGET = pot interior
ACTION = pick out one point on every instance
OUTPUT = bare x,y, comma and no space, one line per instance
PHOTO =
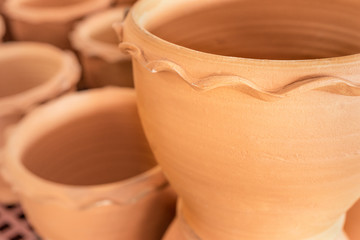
103,147
264,29
21,72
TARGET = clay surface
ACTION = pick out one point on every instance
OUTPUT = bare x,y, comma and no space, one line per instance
88,162
254,119
31,74
49,21
104,63
352,223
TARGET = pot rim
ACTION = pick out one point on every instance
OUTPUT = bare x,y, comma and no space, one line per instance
17,9
73,196
137,13
63,80
269,79
82,40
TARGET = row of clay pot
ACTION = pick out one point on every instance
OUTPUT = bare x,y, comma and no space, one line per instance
83,170
84,26
263,147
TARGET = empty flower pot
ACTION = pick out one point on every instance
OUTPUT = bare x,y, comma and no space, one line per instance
96,41
48,21
31,74
252,112
83,170
352,223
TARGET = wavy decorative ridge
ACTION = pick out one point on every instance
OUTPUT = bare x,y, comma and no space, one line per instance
303,84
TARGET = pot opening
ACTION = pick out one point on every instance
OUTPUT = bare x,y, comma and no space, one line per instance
105,35
262,29
100,148
51,4
35,70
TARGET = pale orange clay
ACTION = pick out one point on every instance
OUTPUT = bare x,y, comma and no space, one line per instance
103,62
257,128
30,74
84,170
352,223
48,21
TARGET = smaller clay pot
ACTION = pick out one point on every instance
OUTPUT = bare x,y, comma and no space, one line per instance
84,170
31,73
49,21
104,63
352,223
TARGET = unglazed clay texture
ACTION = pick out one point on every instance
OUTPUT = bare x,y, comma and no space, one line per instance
49,21
31,74
104,63
89,162
262,147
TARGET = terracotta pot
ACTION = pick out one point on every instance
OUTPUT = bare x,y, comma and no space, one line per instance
252,112
104,63
49,21
32,73
352,223
102,175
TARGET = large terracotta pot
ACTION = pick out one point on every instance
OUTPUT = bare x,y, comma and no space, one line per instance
352,223
31,74
83,170
252,112
104,63
48,21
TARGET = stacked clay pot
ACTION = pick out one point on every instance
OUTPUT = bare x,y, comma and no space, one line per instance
31,74
252,112
49,21
96,41
84,170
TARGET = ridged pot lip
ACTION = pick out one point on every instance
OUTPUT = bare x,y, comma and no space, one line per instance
82,40
73,196
136,15
17,9
62,81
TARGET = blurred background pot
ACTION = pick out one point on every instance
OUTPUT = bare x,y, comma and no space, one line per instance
31,74
255,117
96,41
82,163
49,21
